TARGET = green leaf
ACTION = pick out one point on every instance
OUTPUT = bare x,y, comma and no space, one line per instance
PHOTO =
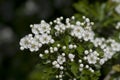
80,49
74,68
67,39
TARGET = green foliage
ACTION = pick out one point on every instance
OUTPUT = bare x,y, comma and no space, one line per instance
74,69
42,72
102,13
85,75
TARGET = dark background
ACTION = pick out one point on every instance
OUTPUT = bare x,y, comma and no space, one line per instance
15,18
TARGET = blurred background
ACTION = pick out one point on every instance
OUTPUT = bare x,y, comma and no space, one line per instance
15,18
17,15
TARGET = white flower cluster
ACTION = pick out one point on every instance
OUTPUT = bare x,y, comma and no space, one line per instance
41,36
83,32
52,35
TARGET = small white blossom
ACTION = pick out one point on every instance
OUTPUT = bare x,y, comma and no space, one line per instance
64,47
55,49
71,56
81,65
46,51
41,55
71,46
61,59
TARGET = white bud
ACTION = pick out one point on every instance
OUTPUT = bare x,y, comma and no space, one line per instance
70,46
56,76
61,67
60,76
58,45
81,65
46,51
80,69
86,52
85,58
40,55
74,46
64,47
63,54
72,60
87,66
71,56
57,66
55,49
52,41
31,25
51,51
80,61
54,62
73,17
78,23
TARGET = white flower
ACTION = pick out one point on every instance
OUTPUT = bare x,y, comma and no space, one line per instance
117,9
25,42
61,59
35,28
115,46
88,35
98,42
77,31
45,38
41,28
108,52
60,27
93,57
102,61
